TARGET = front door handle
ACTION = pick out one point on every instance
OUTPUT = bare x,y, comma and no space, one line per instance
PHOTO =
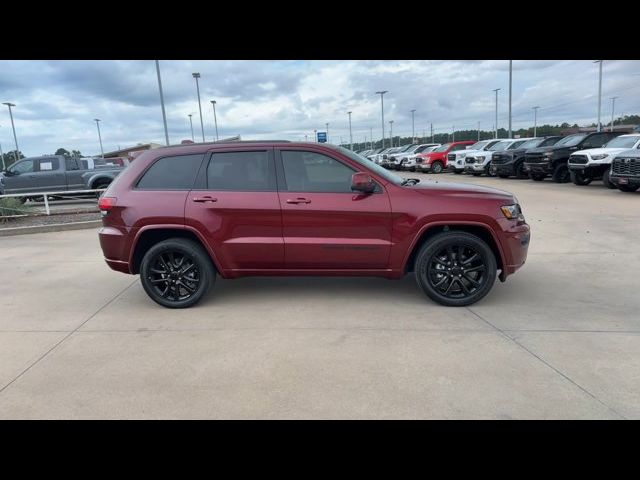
204,199
298,200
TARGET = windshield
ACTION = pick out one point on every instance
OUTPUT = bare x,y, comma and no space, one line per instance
443,148
479,145
532,143
571,140
622,142
383,172
496,147
515,145
550,141
412,149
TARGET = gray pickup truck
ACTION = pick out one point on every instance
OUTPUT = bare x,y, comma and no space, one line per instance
56,173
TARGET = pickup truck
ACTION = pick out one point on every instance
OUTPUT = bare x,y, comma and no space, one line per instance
511,162
56,173
553,160
588,165
625,171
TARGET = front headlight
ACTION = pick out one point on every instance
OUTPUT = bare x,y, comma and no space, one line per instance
480,158
548,154
463,155
599,157
512,212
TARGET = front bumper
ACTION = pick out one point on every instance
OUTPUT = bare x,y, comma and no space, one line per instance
544,167
502,169
631,181
515,241
474,167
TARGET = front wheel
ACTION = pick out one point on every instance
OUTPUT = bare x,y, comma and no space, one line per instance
561,174
436,167
177,273
579,178
455,268
606,180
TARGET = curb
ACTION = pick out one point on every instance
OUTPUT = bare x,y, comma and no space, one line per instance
54,227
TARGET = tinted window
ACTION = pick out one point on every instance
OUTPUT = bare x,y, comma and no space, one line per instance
25,166
171,173
571,140
314,172
550,141
515,145
598,140
47,164
71,163
241,171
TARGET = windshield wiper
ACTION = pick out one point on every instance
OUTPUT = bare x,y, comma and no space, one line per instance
410,181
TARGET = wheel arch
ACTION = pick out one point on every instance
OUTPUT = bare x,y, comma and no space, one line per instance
149,236
481,230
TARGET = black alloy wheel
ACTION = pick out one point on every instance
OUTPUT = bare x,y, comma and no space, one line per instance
579,178
456,268
561,174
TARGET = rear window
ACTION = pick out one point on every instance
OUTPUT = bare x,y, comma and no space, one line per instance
171,173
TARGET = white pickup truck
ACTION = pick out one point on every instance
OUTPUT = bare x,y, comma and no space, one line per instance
455,160
593,163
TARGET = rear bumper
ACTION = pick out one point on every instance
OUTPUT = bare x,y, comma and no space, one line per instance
114,244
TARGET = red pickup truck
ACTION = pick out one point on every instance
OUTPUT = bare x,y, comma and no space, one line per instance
436,161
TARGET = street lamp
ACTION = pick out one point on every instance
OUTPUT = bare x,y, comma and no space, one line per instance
215,119
599,92
191,123
535,120
371,137
391,131
327,124
350,133
613,106
510,77
413,126
15,139
97,120
315,135
197,76
381,93
495,134
164,115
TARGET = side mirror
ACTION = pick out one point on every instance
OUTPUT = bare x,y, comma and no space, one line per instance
362,182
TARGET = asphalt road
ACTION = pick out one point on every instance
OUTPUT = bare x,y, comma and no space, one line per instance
560,339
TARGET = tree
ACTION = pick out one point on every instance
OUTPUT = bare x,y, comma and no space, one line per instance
76,153
63,151
9,158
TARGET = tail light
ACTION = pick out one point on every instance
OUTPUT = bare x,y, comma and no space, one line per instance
105,204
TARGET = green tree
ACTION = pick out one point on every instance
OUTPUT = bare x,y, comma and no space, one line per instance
9,158
63,151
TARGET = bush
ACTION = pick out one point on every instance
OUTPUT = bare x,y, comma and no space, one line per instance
11,206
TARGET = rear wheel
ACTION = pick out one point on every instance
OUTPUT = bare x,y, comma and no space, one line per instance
627,188
455,268
579,178
177,273
607,180
100,186
561,174
437,167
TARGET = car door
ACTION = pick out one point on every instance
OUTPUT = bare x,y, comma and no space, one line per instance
19,176
325,224
236,206
48,176
73,174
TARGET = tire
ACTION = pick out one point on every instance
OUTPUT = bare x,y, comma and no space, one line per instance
578,178
627,188
561,174
536,177
100,185
487,171
437,167
159,258
606,180
450,288
520,174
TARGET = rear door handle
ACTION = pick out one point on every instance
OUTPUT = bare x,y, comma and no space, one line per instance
204,199
298,200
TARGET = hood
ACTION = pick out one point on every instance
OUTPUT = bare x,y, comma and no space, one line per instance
472,152
462,190
550,148
599,151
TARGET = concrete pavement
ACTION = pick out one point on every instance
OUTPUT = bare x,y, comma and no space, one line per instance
560,339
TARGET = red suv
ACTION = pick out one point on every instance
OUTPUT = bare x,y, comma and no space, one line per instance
181,215
436,161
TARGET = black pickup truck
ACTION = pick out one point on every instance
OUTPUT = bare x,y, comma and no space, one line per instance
553,160
507,163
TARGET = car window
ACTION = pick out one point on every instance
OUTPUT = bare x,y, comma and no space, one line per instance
515,145
315,172
596,141
241,172
171,173
461,146
47,164
25,166
71,164
622,142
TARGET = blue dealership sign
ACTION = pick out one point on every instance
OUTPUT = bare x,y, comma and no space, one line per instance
322,137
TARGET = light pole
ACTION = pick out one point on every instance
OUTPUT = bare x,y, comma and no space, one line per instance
453,134
613,106
2,157
413,126
164,115
495,132
381,93
215,118
510,77
327,125
391,132
191,123
371,137
432,133
350,132
197,76
15,139
315,136
535,120
478,131
97,120
599,92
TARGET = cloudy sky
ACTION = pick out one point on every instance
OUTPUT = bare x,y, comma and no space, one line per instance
56,101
